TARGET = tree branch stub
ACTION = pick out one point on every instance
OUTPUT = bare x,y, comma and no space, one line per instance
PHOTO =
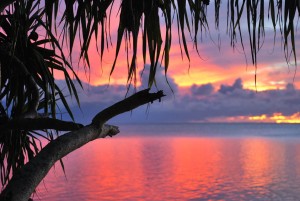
130,103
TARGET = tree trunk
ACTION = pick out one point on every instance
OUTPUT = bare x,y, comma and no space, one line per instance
23,183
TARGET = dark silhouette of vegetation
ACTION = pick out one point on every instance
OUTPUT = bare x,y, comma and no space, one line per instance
37,39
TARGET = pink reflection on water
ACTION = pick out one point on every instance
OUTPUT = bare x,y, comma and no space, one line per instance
177,168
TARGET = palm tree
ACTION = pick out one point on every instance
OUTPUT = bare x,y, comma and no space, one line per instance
37,39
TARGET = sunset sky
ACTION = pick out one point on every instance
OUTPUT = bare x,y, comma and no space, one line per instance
217,86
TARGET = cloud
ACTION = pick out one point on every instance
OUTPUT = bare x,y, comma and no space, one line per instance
228,101
237,85
162,82
199,103
202,90
93,99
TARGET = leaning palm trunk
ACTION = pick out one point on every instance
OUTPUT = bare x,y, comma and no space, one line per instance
24,182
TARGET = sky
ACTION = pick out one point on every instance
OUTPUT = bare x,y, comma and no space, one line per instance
217,86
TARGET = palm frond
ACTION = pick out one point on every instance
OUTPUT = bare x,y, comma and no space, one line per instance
28,63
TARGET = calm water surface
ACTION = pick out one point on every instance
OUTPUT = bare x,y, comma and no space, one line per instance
182,162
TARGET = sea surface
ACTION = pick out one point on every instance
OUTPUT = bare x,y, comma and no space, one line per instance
182,162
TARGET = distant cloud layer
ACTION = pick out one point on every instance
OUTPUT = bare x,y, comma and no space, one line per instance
200,103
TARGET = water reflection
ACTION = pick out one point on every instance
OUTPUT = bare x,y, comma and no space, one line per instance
178,168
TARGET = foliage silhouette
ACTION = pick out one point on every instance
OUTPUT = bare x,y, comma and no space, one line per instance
37,39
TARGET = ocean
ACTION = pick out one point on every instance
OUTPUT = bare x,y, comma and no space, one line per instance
182,162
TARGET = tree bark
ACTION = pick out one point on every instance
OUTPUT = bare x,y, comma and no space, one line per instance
23,183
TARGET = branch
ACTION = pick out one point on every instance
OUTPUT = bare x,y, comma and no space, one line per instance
130,103
39,124
29,176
